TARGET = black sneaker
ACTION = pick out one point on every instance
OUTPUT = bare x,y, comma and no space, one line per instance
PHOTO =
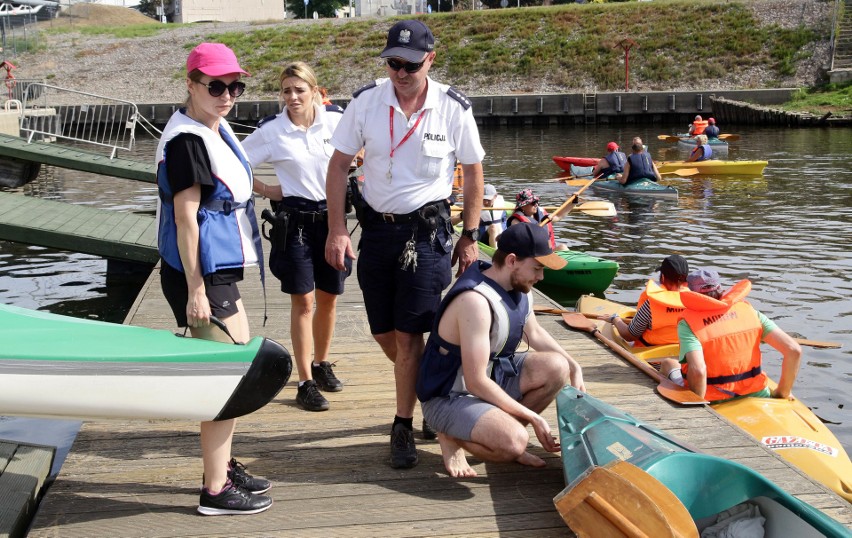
232,500
309,398
428,431
238,475
325,378
403,451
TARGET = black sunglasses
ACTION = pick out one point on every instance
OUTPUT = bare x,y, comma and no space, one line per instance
409,67
217,88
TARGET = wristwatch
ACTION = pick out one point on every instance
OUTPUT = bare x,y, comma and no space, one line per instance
472,234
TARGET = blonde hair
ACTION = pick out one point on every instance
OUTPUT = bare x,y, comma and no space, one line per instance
702,139
303,71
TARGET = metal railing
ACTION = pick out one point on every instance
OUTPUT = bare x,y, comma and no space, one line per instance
52,111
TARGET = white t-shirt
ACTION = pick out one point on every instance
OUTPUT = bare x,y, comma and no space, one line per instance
300,157
422,167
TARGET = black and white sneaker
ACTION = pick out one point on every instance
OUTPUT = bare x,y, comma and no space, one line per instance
325,378
232,500
240,477
403,451
309,398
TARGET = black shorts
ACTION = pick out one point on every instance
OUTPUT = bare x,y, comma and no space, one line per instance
399,299
302,266
221,290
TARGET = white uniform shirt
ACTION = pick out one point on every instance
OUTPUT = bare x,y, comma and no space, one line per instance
423,166
300,157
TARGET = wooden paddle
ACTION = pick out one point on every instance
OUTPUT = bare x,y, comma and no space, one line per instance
682,172
594,208
667,389
668,138
620,499
569,203
730,137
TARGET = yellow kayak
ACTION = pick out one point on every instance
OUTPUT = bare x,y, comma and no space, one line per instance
712,166
787,427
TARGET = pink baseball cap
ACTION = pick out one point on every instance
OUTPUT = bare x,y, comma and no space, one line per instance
214,59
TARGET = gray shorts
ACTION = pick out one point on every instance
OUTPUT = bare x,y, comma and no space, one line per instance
457,413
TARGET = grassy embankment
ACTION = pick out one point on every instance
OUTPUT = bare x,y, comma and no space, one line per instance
571,47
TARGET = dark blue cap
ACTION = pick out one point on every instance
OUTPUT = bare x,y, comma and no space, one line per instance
528,240
410,40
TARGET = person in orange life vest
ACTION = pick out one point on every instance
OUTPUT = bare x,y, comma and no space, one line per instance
659,308
697,127
612,164
712,130
720,338
528,210
702,150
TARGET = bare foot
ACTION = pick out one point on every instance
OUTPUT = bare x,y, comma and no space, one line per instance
455,460
529,459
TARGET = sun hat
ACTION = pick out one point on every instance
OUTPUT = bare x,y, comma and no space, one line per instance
410,40
213,59
612,146
704,281
525,197
489,193
528,240
674,268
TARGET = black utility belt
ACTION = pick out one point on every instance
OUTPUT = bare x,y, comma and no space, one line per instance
424,214
305,217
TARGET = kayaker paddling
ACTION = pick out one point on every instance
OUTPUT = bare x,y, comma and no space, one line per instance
612,164
639,165
702,150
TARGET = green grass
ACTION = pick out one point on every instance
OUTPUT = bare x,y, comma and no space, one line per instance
125,32
835,98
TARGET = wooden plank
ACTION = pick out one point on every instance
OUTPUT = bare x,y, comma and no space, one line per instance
20,486
76,159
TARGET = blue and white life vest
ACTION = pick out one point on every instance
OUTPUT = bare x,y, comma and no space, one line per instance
229,236
440,368
708,152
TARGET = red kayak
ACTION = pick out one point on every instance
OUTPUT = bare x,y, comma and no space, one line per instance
566,162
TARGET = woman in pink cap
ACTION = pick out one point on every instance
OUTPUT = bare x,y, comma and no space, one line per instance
207,234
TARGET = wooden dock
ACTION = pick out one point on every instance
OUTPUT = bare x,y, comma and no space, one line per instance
24,468
330,470
113,235
76,159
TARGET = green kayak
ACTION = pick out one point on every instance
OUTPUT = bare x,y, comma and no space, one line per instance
593,433
58,366
644,187
583,272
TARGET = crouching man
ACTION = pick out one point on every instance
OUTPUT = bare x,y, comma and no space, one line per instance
477,390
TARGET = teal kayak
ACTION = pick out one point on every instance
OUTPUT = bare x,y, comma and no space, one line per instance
716,144
593,433
58,366
583,272
644,187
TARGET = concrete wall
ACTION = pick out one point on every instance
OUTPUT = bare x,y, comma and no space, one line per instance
228,10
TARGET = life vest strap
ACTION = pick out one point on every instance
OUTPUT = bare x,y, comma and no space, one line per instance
724,379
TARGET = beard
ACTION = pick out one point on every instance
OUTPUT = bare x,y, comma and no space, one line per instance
518,284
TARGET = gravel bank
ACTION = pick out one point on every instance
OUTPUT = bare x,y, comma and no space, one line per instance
147,69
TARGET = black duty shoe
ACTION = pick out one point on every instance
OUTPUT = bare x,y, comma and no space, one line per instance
428,431
240,477
232,500
309,398
325,378
403,451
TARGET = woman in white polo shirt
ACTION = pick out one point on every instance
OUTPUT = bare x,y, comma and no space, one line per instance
295,142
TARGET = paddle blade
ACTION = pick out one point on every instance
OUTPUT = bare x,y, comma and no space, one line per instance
597,209
682,172
817,344
729,137
620,499
577,182
668,138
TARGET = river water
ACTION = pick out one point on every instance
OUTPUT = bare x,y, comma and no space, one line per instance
788,231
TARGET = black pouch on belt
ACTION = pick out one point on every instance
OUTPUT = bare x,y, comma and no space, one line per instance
277,236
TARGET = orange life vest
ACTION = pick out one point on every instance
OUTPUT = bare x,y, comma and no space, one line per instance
666,311
698,127
458,179
729,331
541,213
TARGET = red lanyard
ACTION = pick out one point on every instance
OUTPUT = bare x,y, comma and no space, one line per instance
407,135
